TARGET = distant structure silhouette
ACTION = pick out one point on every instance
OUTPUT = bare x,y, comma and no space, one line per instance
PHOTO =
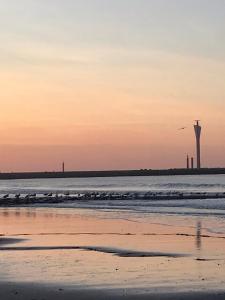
188,163
198,129
192,162
63,167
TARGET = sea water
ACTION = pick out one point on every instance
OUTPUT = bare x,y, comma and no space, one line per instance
136,184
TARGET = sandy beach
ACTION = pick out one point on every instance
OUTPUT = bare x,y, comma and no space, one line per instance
56,253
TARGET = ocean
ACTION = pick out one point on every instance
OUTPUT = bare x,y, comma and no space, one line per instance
160,184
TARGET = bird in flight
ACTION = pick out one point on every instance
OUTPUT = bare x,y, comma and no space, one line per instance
182,128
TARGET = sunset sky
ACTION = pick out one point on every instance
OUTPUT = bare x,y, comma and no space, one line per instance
105,84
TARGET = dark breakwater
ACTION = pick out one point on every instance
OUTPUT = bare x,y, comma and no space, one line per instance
112,173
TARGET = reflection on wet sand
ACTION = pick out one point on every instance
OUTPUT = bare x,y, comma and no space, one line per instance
198,235
5,212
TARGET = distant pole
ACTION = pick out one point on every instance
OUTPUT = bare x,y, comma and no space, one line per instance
63,167
197,129
188,165
192,162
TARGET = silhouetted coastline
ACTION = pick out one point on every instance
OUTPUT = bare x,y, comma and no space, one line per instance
111,173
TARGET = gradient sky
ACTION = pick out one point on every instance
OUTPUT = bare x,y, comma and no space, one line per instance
105,84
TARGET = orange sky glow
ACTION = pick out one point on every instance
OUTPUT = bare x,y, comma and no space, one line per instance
99,94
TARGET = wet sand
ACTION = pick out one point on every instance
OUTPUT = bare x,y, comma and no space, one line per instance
11,291
50,253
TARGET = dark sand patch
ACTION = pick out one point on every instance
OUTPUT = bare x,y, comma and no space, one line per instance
28,291
6,240
114,251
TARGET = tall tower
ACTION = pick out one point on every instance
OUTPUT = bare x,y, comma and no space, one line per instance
197,129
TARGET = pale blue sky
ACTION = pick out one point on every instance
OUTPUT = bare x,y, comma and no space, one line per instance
187,27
